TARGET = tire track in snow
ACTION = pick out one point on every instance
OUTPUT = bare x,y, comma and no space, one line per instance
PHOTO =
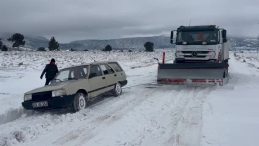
48,120
14,114
145,122
188,130
130,113
11,115
107,118
96,116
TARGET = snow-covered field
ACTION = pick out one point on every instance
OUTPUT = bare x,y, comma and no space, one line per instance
145,114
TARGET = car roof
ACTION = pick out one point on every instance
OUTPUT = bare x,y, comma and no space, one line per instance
92,63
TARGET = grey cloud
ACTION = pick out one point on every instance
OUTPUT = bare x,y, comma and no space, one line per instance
105,19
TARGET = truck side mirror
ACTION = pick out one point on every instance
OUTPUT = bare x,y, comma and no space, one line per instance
172,37
224,35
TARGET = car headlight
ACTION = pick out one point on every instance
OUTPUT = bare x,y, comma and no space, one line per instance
60,92
27,97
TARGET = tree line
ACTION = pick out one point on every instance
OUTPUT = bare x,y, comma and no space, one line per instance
18,40
149,47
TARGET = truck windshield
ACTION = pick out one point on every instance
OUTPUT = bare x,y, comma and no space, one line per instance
72,73
197,38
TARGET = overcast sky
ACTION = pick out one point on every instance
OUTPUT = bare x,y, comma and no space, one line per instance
69,20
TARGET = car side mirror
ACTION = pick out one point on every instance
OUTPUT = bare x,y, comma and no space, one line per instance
172,37
224,35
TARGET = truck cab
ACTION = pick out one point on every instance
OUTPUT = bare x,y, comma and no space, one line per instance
207,43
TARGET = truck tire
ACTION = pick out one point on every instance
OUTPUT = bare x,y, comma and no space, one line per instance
79,102
225,74
117,89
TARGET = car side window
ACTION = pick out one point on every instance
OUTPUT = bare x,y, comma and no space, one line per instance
115,66
85,70
80,72
95,71
106,69
109,69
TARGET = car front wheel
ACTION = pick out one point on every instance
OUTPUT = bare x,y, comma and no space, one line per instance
79,102
117,89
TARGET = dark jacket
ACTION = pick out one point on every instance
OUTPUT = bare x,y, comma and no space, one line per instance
51,70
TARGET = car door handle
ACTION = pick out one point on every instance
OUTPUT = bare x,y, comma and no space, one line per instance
103,77
115,75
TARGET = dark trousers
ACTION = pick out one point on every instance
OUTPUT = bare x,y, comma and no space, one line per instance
47,81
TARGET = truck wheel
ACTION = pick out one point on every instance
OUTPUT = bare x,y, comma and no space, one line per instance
225,74
117,89
79,102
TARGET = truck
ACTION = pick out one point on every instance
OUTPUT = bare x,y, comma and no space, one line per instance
201,56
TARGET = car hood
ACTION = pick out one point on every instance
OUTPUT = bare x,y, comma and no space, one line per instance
55,86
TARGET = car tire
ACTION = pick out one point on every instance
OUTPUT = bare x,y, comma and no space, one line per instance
79,102
117,89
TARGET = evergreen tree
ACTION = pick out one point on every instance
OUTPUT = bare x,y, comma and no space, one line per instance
1,43
17,39
4,48
41,49
53,44
149,46
107,48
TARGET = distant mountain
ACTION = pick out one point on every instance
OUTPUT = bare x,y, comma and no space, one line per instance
123,43
159,42
246,43
35,42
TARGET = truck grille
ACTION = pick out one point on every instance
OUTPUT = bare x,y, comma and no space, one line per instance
195,54
41,96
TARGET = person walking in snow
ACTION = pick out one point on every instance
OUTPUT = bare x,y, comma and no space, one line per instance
50,71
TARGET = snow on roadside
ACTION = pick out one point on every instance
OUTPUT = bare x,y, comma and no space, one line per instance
231,115
20,72
144,114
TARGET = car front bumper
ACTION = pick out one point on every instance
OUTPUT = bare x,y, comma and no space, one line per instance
53,103
123,83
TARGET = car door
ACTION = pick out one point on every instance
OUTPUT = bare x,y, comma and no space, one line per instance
109,75
96,81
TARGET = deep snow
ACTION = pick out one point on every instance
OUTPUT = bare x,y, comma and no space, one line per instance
145,114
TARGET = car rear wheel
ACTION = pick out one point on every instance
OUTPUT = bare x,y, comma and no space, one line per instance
79,102
117,89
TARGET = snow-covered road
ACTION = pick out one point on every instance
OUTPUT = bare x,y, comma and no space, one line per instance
145,114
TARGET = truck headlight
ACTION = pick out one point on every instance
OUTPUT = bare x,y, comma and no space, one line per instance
178,54
27,97
212,54
59,92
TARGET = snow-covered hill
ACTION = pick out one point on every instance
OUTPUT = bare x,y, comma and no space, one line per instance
145,114
123,43
134,43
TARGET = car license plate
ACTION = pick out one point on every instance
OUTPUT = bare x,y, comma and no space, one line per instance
40,104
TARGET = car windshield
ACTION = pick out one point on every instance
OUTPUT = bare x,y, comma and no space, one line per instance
72,73
197,37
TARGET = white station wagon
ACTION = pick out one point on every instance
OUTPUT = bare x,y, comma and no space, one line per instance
75,86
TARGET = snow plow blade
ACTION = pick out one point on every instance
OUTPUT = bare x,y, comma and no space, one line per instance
182,73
